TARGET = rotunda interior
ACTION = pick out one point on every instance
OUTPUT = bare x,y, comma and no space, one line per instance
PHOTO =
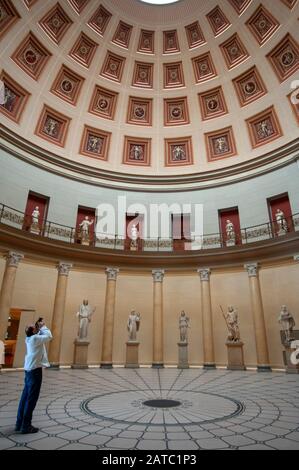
149,214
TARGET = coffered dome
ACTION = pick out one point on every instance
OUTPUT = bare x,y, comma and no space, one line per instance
133,88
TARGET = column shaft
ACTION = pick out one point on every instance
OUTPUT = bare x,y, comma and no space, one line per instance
7,290
58,314
258,319
207,319
108,329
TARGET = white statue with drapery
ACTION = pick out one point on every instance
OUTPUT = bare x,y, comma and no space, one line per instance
84,315
281,222
183,327
287,323
85,230
133,325
34,228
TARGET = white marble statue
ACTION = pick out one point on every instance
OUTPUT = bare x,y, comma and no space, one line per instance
232,322
184,322
84,229
35,216
287,322
134,233
133,325
281,221
84,315
230,230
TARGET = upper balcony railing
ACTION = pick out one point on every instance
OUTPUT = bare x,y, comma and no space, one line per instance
71,235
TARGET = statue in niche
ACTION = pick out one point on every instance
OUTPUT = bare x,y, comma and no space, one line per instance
133,325
134,237
84,314
184,324
281,221
287,323
35,220
84,230
230,231
232,322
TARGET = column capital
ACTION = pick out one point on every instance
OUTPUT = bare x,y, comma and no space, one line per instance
158,275
64,269
296,258
13,259
252,269
112,274
204,274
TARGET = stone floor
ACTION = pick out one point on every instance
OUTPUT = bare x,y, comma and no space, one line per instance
102,409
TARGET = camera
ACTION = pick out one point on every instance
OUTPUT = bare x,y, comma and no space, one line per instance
38,322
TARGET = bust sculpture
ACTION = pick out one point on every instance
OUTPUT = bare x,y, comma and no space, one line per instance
84,229
287,323
232,322
133,325
184,322
84,315
281,221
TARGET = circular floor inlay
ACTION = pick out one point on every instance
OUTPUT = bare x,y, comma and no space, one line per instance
157,407
162,403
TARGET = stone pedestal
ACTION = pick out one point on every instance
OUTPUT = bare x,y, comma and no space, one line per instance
80,354
235,355
231,242
291,368
35,229
132,355
183,356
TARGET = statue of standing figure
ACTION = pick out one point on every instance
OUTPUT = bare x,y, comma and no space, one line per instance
281,221
184,322
287,322
84,314
230,230
232,322
133,325
84,229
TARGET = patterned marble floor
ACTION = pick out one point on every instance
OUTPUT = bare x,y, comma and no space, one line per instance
102,409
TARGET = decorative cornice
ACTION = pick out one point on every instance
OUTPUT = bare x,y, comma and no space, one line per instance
112,274
158,275
56,164
252,269
64,269
13,259
204,274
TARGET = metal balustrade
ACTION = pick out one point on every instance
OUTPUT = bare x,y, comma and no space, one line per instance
71,235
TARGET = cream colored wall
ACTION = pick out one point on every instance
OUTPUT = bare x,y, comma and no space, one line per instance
133,292
84,285
35,289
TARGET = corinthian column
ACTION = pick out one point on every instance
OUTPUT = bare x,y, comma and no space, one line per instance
158,357
12,262
58,314
263,363
207,319
107,346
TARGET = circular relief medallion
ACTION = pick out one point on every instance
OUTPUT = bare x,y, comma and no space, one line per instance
139,112
288,58
173,75
176,112
122,35
250,88
113,66
213,104
234,51
83,50
262,24
146,42
103,103
143,75
30,57
56,22
203,67
67,86
194,35
218,21
99,20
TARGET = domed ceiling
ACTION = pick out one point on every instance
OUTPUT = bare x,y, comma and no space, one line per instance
134,88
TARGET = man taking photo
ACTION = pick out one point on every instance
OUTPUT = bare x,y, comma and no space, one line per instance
36,358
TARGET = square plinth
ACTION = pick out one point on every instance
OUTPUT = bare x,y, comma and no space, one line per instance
183,356
132,355
80,354
235,355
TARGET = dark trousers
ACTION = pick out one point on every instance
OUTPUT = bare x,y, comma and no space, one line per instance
33,382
